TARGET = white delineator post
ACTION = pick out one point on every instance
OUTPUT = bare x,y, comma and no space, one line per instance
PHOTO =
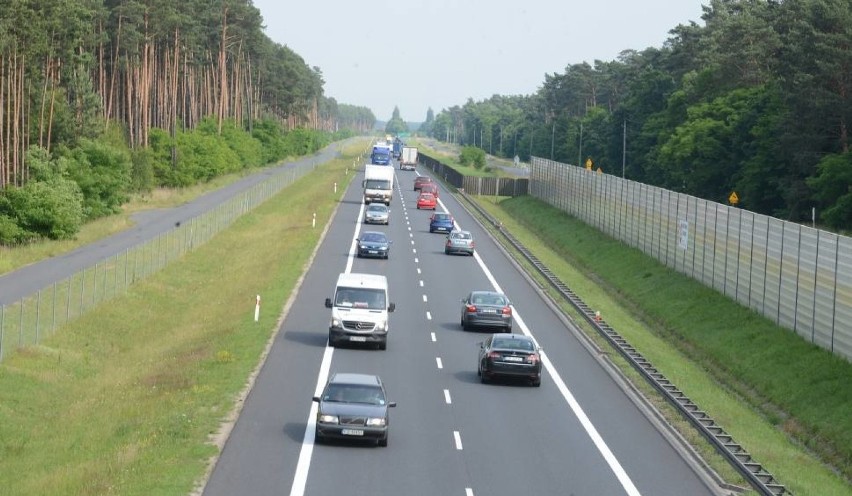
314,221
335,187
257,309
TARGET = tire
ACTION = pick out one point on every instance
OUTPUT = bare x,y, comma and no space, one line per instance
383,345
318,439
446,251
383,442
464,325
483,378
536,382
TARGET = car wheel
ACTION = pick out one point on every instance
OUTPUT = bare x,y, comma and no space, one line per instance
318,439
446,251
383,345
465,326
536,382
383,442
484,379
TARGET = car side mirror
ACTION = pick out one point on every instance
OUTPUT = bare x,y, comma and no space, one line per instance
391,307
316,398
328,303
392,404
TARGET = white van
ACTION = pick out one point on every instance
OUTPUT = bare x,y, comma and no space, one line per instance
359,310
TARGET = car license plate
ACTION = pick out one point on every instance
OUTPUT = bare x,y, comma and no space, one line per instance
372,252
489,310
360,339
513,359
352,432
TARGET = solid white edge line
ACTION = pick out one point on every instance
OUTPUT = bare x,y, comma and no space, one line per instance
593,433
303,466
457,438
447,399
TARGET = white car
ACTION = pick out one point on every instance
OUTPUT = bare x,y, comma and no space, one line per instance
376,213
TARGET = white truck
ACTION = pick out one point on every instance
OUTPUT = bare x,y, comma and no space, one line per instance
408,159
378,183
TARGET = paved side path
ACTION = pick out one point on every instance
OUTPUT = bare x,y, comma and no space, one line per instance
28,280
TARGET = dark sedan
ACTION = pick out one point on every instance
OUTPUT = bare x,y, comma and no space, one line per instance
486,309
510,355
353,406
373,244
441,222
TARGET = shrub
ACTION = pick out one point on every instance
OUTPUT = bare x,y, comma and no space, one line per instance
472,156
52,208
103,172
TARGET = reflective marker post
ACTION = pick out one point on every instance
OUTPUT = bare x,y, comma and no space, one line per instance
257,309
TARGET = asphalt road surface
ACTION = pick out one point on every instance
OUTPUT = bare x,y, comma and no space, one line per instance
580,433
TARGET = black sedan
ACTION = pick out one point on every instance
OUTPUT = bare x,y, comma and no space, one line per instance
373,244
353,406
510,355
486,309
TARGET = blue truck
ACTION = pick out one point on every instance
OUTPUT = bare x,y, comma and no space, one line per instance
381,155
397,147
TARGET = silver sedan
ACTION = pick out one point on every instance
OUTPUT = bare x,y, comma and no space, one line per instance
376,213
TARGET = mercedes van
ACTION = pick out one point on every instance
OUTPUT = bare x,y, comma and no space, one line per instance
359,310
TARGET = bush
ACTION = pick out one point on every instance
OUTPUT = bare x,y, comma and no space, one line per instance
472,156
52,208
103,172
11,233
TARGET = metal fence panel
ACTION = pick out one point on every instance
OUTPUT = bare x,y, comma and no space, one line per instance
798,277
805,274
824,291
842,336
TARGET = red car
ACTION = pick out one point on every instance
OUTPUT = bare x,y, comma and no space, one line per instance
419,181
429,188
427,201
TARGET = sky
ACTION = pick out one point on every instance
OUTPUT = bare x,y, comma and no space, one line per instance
421,54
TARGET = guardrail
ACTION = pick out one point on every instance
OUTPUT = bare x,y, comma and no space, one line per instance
760,479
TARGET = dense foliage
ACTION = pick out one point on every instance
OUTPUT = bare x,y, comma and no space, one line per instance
396,125
104,98
758,100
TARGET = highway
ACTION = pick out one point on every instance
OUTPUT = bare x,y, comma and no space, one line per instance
580,433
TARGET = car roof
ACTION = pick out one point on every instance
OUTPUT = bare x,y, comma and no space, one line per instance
378,206
373,233
459,231
355,378
427,195
356,279
486,292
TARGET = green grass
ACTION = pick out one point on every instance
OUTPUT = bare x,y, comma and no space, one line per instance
20,256
780,397
453,162
125,399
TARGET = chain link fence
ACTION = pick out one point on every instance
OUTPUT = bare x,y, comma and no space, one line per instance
29,320
797,276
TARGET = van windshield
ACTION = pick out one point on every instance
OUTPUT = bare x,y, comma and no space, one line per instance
377,184
373,299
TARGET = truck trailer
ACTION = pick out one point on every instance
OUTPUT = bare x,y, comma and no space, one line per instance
408,159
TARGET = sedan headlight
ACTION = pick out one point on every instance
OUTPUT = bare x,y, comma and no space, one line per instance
328,419
375,422
382,325
335,322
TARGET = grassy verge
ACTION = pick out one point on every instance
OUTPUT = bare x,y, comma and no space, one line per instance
467,170
125,399
780,397
17,257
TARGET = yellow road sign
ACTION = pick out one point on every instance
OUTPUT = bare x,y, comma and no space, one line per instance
733,199
589,163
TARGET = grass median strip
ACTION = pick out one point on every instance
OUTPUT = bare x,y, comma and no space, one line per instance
689,332
125,399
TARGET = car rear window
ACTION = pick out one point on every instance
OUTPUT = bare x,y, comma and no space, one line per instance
513,344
